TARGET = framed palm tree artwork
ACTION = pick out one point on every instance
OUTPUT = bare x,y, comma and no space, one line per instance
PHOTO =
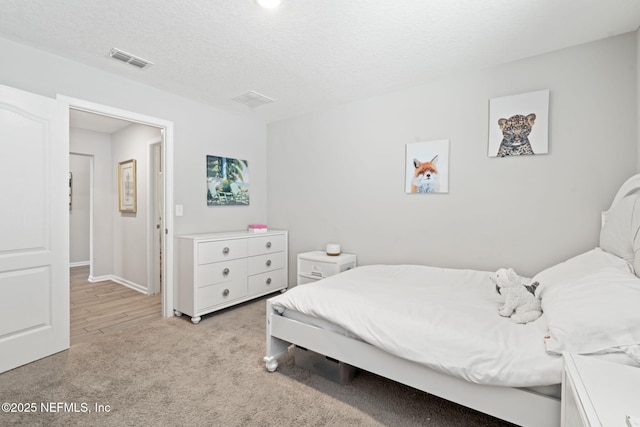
227,181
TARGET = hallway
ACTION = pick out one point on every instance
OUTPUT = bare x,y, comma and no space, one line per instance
102,308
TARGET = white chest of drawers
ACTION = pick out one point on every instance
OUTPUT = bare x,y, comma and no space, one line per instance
219,270
598,393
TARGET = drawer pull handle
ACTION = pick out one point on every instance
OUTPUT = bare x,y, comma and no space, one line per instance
268,244
225,272
225,250
269,281
268,263
225,293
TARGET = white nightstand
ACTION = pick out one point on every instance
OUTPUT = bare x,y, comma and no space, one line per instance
317,265
598,393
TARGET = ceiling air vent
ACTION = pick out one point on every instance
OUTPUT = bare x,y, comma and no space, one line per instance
129,59
253,99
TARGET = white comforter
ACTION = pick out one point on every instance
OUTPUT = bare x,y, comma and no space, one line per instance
446,319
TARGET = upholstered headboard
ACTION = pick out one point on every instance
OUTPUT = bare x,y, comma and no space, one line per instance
620,232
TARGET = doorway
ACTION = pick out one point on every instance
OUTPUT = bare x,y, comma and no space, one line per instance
160,152
156,216
80,203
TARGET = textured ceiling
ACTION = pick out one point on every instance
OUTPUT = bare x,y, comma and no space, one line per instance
307,55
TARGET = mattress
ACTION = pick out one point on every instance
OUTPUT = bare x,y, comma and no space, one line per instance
446,319
553,390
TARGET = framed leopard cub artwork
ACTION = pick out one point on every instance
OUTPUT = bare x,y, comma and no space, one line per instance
519,124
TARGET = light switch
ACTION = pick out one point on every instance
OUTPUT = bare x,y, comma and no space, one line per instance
179,210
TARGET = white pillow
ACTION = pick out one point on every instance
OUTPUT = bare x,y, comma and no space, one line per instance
579,266
594,314
619,235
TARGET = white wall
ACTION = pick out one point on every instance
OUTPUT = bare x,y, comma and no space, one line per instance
337,175
130,229
98,146
199,130
120,239
79,219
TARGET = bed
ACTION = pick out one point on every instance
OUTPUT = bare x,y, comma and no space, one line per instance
438,330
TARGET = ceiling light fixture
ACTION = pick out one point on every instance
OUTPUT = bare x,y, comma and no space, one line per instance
269,4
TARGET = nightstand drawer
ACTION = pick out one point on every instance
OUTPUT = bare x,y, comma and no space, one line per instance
316,265
317,269
321,269
219,251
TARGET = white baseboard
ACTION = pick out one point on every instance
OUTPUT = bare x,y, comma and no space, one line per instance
96,279
129,284
120,281
79,263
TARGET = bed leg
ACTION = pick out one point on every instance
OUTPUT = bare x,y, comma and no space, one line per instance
271,363
275,346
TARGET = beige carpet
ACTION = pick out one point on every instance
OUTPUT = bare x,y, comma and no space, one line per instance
171,373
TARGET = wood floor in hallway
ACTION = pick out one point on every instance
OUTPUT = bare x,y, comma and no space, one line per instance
106,307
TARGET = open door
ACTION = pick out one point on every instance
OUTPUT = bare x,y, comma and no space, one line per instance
156,220
34,227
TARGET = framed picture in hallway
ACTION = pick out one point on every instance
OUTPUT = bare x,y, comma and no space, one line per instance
127,186
227,181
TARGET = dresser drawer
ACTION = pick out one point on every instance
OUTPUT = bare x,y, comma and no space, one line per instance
213,295
220,272
263,263
221,250
267,282
267,244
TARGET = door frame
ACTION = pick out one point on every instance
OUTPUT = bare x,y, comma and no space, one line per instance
153,286
167,168
90,159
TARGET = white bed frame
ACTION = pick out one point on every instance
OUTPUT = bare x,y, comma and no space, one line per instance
516,405
630,186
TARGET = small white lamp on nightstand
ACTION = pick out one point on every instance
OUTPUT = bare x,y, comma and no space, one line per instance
333,249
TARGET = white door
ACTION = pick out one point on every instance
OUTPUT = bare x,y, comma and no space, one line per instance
34,227
157,209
